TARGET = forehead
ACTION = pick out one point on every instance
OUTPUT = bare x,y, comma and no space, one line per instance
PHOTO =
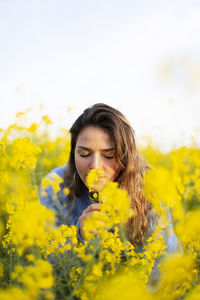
93,135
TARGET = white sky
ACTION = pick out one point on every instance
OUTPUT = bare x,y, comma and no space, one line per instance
142,57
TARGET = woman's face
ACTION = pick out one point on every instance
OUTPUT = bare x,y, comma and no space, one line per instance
95,149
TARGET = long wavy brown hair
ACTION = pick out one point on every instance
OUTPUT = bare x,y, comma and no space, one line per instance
132,166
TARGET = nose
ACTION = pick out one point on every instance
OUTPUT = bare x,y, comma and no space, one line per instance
95,161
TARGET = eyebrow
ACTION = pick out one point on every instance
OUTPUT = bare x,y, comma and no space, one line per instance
88,149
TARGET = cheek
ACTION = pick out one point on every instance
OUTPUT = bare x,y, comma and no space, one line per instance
81,166
115,172
112,170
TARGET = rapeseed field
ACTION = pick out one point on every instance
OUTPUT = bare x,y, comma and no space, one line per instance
39,260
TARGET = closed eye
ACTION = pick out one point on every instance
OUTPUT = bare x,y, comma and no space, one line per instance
108,157
84,155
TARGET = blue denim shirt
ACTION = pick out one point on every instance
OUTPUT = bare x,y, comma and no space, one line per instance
65,214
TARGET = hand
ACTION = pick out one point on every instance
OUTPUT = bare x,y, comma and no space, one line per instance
85,214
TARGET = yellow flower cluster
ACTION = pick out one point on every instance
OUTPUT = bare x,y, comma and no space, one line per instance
179,273
154,249
113,248
115,210
29,226
194,293
54,180
123,286
106,265
26,224
35,278
188,231
24,154
59,240
115,204
95,180
16,293
159,180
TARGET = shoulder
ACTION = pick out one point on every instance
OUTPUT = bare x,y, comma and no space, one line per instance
55,175
59,171
52,185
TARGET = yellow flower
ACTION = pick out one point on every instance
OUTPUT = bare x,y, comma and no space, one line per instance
59,240
115,203
188,231
29,226
46,119
74,275
81,252
178,272
15,293
66,191
123,286
194,294
35,277
54,180
155,248
97,269
24,154
95,181
30,257
161,191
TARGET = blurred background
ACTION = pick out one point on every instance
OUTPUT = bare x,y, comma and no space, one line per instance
142,57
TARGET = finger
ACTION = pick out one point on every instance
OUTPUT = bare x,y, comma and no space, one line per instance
88,214
92,207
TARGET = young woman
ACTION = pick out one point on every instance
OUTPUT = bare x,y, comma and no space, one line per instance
102,138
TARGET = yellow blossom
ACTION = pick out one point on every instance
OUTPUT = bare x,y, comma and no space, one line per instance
178,272
188,231
46,119
35,277
194,294
107,266
29,225
123,286
95,180
30,257
24,154
15,293
54,180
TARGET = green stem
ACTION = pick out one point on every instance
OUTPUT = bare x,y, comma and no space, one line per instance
10,264
88,265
